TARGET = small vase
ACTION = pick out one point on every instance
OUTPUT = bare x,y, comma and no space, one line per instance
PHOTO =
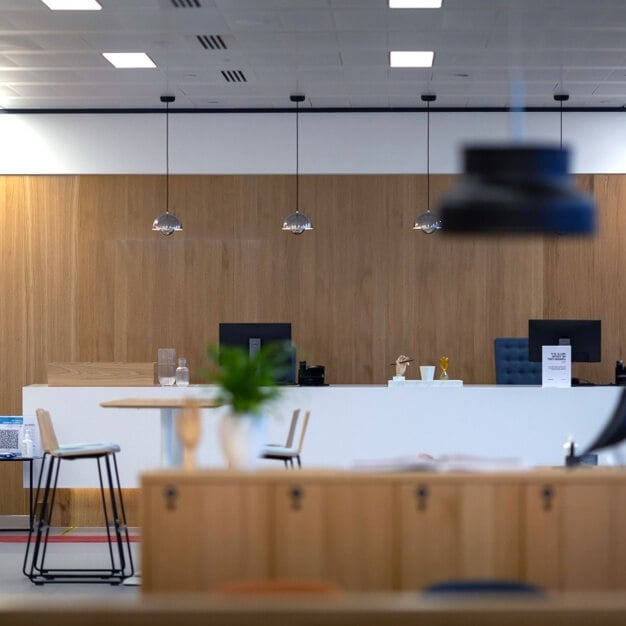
242,437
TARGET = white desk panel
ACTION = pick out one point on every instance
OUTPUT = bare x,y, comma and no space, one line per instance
348,423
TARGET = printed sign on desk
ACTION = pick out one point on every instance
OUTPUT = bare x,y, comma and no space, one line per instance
556,366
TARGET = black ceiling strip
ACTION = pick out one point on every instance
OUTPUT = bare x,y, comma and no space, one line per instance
126,111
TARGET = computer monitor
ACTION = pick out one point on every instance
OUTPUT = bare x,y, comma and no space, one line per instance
584,336
252,335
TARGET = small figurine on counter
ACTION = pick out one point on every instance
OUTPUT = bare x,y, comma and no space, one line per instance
401,363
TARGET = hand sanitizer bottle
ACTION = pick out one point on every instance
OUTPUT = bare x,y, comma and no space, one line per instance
182,373
27,446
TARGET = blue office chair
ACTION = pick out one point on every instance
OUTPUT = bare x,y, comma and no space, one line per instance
512,364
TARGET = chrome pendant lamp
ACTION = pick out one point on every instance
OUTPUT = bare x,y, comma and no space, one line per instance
167,223
427,222
296,223
518,189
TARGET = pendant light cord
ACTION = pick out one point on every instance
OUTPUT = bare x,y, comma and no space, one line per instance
297,157
561,135
167,157
428,156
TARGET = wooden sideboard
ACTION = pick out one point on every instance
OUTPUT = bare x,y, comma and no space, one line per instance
561,529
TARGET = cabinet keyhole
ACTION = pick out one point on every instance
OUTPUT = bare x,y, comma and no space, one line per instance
547,497
296,494
421,497
170,493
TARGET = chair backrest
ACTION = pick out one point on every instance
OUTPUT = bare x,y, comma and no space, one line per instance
307,414
46,431
512,364
292,428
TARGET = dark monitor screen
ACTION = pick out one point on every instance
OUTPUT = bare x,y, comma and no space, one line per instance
584,336
252,335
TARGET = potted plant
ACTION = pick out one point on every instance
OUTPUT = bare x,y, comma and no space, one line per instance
246,384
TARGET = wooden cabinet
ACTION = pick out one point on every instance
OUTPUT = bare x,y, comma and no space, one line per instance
450,529
560,529
196,536
575,534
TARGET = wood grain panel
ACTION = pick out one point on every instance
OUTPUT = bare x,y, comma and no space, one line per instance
86,279
83,507
360,536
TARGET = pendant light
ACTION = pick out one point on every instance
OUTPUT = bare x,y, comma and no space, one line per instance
427,222
167,223
518,189
296,223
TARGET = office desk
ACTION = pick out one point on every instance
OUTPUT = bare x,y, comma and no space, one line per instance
171,447
351,609
6,520
348,422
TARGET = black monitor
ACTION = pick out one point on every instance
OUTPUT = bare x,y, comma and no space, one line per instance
252,335
584,336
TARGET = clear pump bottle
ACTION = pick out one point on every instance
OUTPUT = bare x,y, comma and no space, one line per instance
182,373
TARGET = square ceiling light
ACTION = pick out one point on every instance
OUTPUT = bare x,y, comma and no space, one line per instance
129,60
411,58
72,5
415,4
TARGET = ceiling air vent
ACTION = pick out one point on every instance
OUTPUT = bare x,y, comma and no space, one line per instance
234,76
212,42
186,4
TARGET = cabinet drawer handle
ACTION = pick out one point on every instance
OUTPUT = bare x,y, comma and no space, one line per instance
421,496
296,494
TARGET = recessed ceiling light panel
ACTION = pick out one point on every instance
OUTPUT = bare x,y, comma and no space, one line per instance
411,58
415,4
72,5
129,60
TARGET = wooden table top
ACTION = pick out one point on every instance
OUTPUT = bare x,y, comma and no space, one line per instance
161,403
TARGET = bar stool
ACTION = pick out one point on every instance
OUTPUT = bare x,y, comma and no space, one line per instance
120,564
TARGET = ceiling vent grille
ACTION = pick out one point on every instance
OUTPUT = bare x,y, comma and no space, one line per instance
186,4
234,76
212,42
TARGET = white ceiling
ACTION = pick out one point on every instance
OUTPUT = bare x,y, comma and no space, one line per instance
334,51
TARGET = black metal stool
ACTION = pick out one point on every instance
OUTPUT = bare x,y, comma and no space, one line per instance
120,558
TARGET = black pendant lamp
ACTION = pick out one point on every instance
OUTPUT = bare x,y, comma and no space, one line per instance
167,223
427,222
518,189
296,223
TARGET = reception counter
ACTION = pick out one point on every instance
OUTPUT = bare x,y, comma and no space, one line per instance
349,424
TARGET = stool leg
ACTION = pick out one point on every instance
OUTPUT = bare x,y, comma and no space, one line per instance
124,524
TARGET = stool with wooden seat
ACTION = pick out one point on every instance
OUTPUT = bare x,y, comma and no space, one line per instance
288,452
120,560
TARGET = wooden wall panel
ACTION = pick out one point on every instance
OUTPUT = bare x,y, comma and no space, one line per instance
85,278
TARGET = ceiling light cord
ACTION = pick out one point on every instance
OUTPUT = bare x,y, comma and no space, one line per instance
167,157
428,155
561,98
297,157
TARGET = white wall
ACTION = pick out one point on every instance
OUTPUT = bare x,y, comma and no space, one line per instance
343,143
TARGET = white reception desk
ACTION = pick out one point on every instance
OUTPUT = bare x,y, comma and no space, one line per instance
348,423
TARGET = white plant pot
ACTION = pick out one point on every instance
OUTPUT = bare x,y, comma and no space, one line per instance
242,437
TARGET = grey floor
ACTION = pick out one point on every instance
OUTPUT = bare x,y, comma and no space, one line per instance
13,581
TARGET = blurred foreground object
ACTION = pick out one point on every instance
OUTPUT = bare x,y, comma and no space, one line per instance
518,189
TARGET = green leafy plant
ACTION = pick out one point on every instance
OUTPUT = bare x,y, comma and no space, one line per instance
246,382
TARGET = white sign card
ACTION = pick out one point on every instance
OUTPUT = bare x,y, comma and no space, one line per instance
556,366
